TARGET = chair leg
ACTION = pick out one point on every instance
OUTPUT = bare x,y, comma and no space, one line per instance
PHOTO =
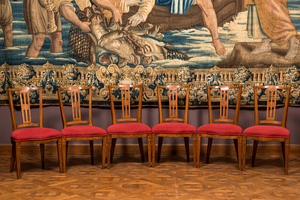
187,150
67,148
92,151
140,140
255,144
210,140
160,142
235,141
64,147
198,138
108,150
195,149
244,151
283,150
103,152
287,152
153,149
149,143
13,157
18,160
112,150
240,142
59,154
42,150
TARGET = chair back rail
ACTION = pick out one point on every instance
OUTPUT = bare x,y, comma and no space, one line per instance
224,103
272,96
75,93
24,95
125,103
173,103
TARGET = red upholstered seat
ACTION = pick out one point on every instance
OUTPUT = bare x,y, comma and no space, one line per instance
83,131
267,131
220,129
34,134
173,128
128,129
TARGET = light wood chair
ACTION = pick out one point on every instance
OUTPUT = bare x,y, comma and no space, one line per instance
222,126
29,132
270,128
173,125
77,128
126,126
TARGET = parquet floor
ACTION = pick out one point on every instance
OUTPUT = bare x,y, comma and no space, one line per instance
172,178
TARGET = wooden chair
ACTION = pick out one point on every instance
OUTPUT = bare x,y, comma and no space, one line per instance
173,125
126,126
223,126
29,132
77,128
269,129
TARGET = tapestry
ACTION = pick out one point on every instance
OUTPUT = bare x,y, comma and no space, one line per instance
56,43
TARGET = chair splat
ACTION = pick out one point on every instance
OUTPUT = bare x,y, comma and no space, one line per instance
125,96
271,103
75,99
224,101
173,96
25,106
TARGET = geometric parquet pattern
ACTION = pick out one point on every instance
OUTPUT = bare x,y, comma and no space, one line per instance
172,178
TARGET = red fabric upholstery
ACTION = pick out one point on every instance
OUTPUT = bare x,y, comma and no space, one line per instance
34,134
267,131
83,131
220,129
128,129
173,128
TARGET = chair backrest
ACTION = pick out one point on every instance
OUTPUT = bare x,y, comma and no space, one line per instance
222,95
25,94
173,92
125,96
74,94
269,95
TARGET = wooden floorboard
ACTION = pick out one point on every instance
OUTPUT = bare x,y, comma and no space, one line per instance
172,178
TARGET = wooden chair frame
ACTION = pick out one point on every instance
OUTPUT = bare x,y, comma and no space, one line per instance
270,119
173,116
126,117
27,122
76,114
224,107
